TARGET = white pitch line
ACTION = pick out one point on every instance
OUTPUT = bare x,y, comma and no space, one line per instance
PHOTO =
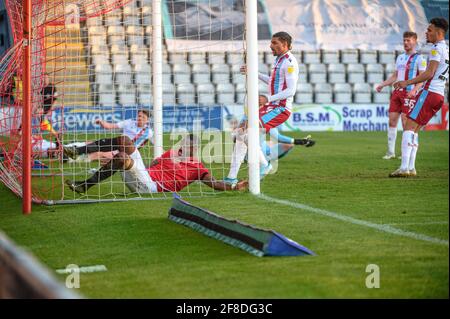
424,223
381,227
86,269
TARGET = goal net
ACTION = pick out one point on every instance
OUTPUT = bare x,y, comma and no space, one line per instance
92,81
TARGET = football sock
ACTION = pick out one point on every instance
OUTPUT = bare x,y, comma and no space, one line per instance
239,152
103,173
102,145
412,159
277,136
407,146
392,136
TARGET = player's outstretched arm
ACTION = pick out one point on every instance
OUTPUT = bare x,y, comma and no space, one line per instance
389,81
263,77
107,125
209,180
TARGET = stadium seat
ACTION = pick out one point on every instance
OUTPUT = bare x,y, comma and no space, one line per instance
349,56
103,74
225,93
138,58
106,95
323,93
216,58
167,78
148,32
317,73
134,30
304,93
181,73
119,59
302,73
122,73
197,57
241,92
329,57
99,50
220,73
126,95
362,93
168,94
185,94
235,58
116,39
389,69
263,68
177,57
263,88
111,20
375,73
311,57
94,21
132,5
237,78
118,49
342,93
336,73
296,53
386,57
131,9
206,94
144,94
97,30
383,97
131,19
201,74
116,30
167,74
235,68
355,73
135,40
142,73
139,49
261,57
146,15
369,57
99,59
97,40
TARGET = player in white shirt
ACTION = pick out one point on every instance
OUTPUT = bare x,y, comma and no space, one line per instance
430,99
407,66
138,131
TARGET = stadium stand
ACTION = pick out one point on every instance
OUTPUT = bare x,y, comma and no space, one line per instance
120,44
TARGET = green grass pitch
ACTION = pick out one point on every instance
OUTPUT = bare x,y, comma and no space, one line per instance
148,256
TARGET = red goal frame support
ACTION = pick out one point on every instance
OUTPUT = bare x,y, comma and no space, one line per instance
26,111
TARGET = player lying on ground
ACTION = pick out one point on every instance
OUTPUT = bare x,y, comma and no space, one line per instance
408,65
282,146
139,131
429,100
173,171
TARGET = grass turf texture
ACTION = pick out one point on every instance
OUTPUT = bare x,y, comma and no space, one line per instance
149,256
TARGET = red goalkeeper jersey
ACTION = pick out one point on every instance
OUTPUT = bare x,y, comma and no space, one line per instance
173,175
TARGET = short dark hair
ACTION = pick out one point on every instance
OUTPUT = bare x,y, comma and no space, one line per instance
146,112
285,37
440,23
409,34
